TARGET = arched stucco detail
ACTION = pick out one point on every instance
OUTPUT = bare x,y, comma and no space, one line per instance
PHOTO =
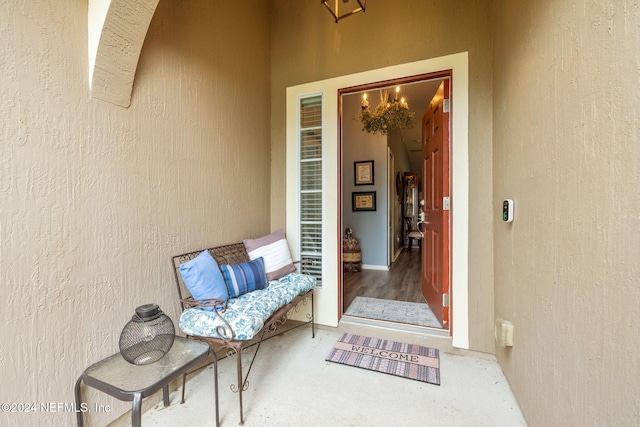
116,32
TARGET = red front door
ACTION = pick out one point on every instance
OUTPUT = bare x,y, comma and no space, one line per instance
435,188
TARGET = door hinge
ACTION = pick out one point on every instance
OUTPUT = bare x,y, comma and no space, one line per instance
445,106
446,203
445,300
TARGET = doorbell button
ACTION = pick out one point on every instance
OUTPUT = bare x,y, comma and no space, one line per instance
507,210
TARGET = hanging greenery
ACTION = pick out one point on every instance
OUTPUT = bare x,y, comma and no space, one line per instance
388,115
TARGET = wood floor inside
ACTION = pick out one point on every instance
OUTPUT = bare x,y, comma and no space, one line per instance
400,283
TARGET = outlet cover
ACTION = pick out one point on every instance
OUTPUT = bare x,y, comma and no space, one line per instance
504,333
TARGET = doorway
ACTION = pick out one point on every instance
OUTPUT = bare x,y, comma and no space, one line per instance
392,277
328,303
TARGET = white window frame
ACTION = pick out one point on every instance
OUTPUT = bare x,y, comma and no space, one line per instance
316,256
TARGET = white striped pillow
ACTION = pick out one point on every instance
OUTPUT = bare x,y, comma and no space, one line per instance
275,252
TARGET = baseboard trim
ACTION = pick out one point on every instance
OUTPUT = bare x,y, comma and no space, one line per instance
375,267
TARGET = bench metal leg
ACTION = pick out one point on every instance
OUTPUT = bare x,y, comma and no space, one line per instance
240,382
215,385
238,347
243,380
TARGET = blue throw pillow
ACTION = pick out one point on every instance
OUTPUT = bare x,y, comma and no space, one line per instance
245,277
203,278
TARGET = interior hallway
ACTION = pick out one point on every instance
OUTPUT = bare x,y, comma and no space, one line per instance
291,384
400,283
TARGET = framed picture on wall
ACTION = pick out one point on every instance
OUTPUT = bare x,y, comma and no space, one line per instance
363,172
363,201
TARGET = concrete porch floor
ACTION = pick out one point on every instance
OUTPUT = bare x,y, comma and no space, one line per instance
291,384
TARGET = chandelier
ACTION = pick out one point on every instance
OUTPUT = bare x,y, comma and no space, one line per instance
389,114
348,8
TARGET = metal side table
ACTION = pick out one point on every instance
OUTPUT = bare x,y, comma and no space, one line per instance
125,381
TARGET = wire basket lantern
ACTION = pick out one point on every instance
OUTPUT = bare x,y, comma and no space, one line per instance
148,336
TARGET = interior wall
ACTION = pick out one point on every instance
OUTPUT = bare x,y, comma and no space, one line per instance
369,227
307,46
95,198
566,150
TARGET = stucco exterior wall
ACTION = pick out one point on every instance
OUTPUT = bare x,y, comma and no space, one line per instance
308,46
566,150
95,198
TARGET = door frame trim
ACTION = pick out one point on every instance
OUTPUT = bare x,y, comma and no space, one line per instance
446,231
329,304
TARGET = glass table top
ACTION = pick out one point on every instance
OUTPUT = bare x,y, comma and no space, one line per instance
116,372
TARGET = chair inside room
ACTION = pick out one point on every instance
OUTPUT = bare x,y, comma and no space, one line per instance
414,232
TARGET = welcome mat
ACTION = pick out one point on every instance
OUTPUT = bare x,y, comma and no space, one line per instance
391,357
394,311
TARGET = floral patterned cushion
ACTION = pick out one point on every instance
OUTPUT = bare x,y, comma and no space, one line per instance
247,313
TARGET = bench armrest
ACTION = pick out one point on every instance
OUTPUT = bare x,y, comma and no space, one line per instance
209,302
225,331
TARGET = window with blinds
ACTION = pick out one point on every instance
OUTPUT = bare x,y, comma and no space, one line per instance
311,184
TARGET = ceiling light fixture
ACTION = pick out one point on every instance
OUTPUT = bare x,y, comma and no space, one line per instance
391,113
340,9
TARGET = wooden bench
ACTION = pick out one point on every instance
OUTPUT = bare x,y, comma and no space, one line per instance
227,330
